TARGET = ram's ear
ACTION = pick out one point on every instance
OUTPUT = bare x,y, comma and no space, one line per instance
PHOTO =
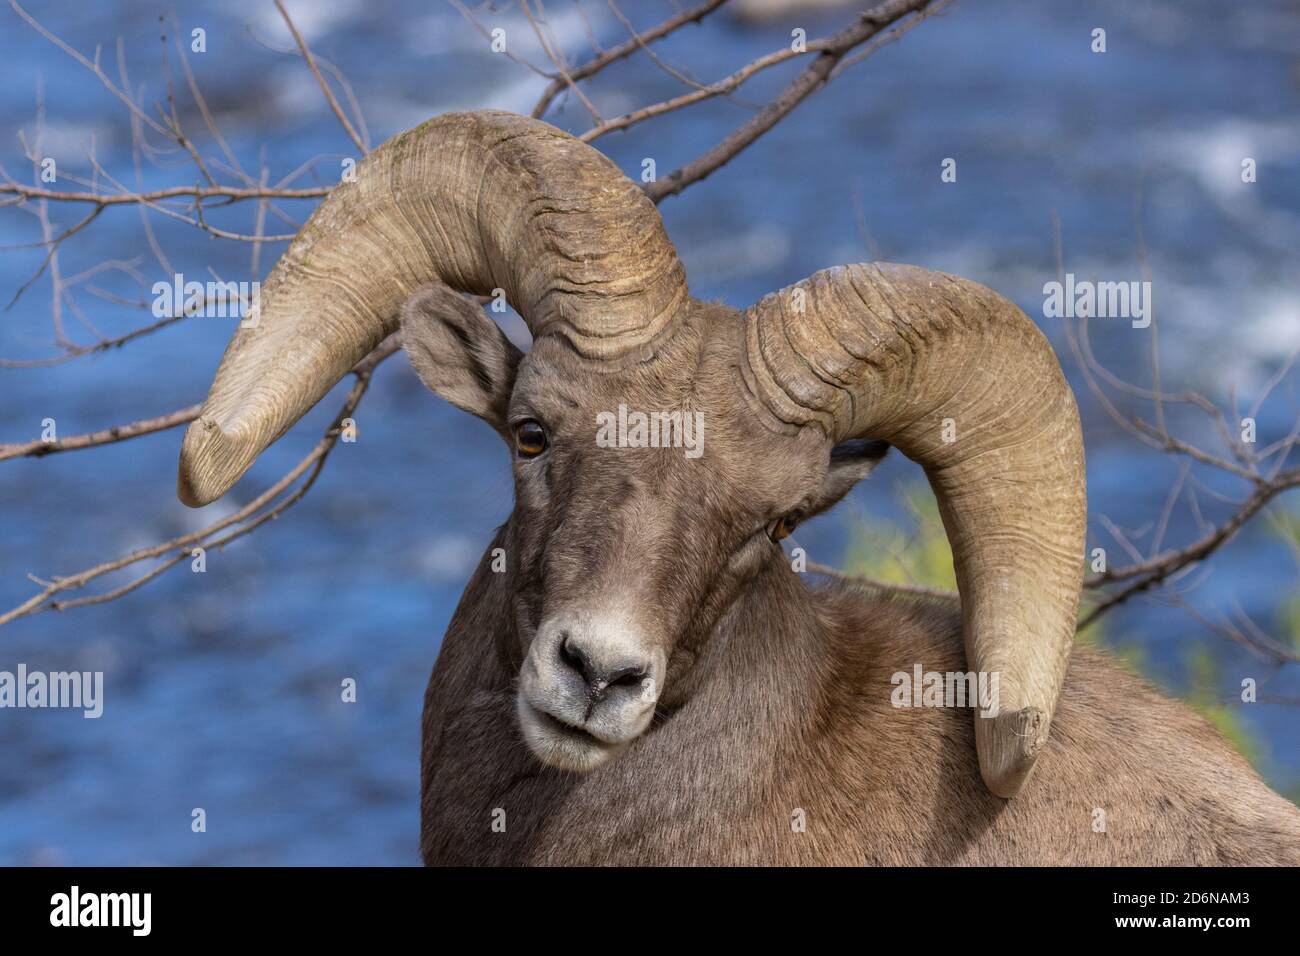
460,353
851,461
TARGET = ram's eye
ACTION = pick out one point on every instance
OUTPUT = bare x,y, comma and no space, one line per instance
781,527
530,438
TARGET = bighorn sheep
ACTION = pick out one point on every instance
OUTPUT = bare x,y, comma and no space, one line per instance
646,679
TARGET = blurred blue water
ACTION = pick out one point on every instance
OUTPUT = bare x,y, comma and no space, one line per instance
223,688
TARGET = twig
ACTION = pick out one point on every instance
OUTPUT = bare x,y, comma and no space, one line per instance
866,582
147,426
324,87
473,21
93,67
723,87
127,198
557,60
1145,575
654,57
623,50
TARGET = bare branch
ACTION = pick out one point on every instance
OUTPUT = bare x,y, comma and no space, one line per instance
803,86
177,548
93,67
723,87
200,193
147,426
557,60
324,87
1144,575
654,57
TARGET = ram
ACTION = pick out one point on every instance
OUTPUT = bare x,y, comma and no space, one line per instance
635,674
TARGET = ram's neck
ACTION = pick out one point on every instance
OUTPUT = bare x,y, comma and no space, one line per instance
763,661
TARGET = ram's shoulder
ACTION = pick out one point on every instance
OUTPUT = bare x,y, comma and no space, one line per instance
1105,703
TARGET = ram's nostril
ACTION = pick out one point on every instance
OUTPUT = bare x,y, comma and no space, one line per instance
598,677
573,656
627,677
569,655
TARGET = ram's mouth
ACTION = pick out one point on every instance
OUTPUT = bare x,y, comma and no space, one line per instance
560,744
564,729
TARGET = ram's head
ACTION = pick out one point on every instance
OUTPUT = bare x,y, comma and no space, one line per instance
631,535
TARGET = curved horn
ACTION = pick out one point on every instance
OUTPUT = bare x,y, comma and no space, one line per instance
962,382
475,201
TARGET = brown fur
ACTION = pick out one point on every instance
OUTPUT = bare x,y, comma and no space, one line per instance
794,712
